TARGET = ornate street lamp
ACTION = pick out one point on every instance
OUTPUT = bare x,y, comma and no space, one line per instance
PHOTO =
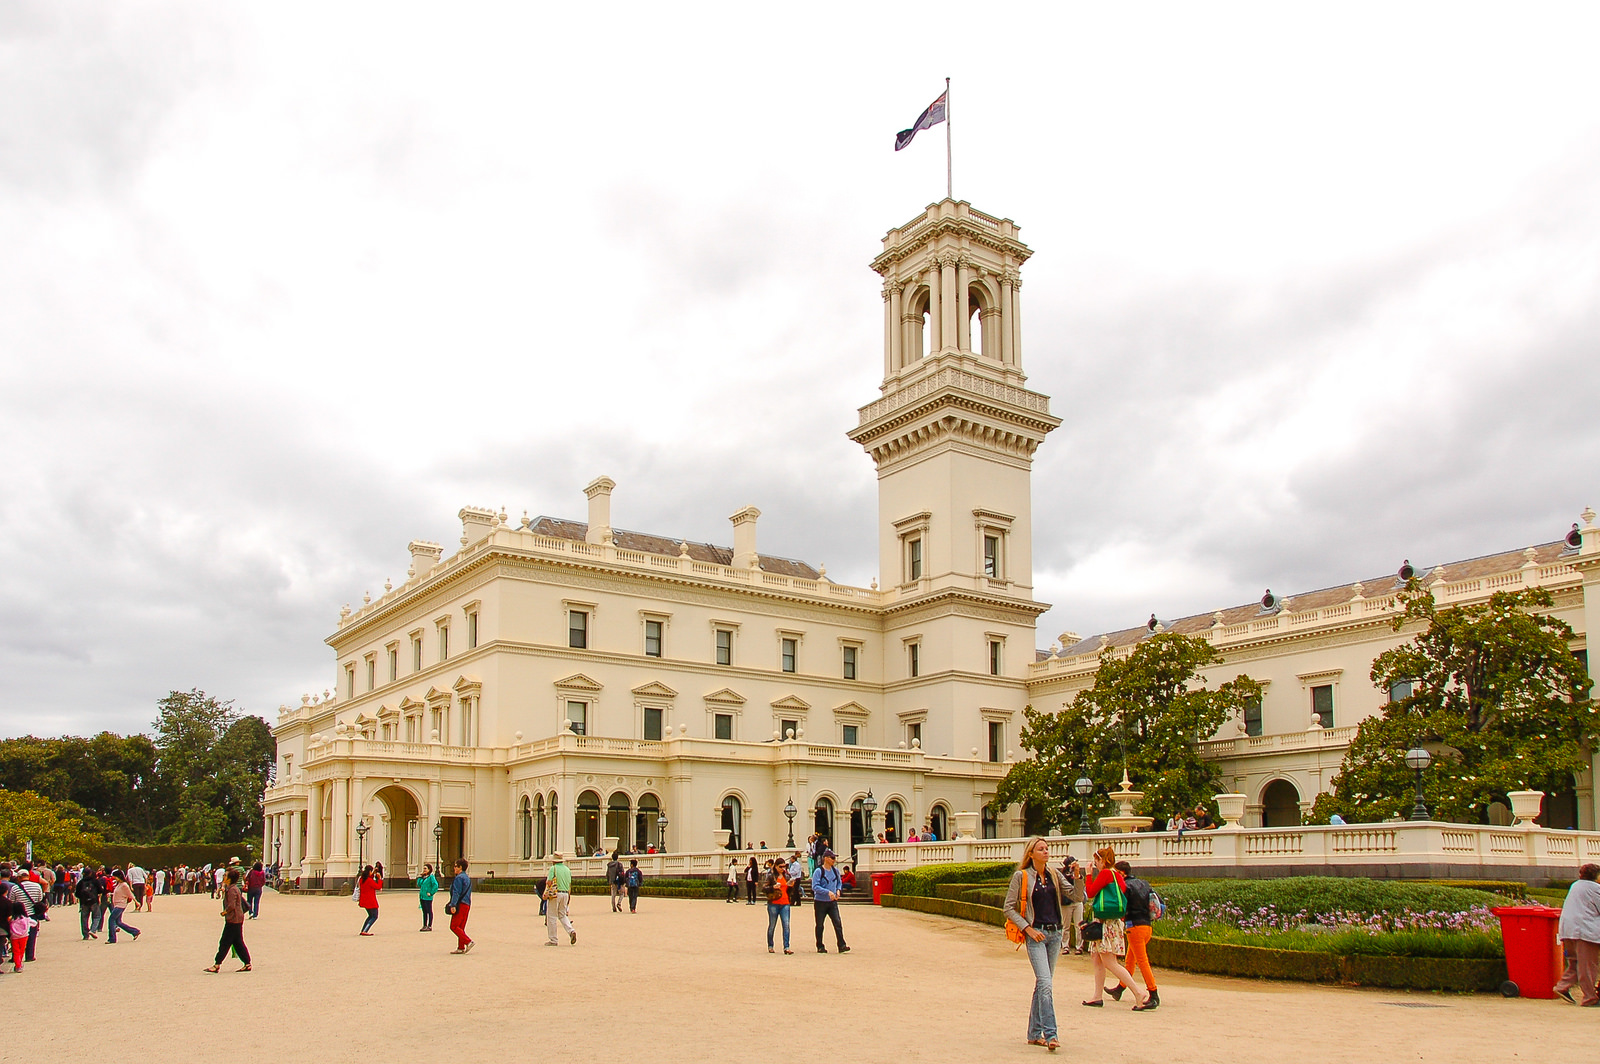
277,850
869,804
438,840
361,844
1084,787
789,811
1418,759
661,823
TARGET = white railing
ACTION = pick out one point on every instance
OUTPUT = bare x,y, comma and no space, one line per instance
1425,843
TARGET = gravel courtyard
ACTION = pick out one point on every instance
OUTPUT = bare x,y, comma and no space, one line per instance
688,981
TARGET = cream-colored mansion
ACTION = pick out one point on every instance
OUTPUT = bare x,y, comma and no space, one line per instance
567,685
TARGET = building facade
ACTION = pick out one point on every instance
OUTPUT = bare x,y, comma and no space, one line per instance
1313,654
566,685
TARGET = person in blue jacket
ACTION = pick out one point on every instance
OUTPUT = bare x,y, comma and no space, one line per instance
460,905
826,886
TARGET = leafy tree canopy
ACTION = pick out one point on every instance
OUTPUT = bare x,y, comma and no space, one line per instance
1152,705
112,776
60,831
219,760
1496,696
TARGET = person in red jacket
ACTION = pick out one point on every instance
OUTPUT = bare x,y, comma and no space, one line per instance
1104,877
255,881
367,888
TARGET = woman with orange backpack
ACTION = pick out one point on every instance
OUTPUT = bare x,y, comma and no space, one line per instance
1036,900
1108,902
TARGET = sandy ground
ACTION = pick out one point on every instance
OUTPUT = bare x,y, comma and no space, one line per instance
689,981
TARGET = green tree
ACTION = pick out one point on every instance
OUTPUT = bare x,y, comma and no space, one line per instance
112,776
1148,710
60,831
1496,695
218,760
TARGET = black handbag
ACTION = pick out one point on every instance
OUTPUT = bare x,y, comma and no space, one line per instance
1093,930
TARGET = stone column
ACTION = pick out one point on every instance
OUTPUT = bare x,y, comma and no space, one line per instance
314,837
891,322
339,825
1016,322
963,319
1007,336
949,297
935,315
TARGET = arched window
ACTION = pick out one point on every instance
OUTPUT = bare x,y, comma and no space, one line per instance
645,827
617,819
586,824
894,828
539,815
991,825
1280,805
525,827
733,821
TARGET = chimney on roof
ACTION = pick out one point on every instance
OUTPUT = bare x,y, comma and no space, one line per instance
476,524
744,538
424,556
599,492
1070,639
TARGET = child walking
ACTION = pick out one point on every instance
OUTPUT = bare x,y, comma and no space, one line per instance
19,925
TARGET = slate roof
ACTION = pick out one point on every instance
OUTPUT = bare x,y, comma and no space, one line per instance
1373,587
648,543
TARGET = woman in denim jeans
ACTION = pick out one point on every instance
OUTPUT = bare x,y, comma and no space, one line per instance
780,895
1037,901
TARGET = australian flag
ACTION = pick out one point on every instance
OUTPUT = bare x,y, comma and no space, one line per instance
927,120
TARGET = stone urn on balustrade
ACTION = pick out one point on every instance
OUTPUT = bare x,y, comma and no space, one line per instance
1525,806
1230,810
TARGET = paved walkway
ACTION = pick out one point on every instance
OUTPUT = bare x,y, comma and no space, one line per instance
689,981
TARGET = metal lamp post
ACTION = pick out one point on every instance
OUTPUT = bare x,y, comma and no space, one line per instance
661,822
789,811
1418,759
438,841
869,805
1084,787
277,850
361,844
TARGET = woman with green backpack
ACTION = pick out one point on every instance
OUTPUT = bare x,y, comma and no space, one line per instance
1108,902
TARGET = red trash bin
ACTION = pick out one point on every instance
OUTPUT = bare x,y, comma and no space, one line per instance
883,883
1533,952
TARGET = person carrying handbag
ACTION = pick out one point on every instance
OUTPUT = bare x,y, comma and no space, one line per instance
1107,889
1036,900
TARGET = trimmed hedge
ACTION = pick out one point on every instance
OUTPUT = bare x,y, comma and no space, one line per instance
960,891
1326,894
1254,962
651,888
923,882
1504,887
961,910
194,855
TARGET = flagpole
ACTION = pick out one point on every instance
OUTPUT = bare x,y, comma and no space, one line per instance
949,170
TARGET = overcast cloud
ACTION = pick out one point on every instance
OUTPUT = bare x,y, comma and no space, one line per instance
284,286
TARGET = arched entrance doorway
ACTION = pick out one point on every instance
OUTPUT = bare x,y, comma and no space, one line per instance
397,844
894,822
586,824
822,819
733,821
939,821
645,826
617,819
1280,805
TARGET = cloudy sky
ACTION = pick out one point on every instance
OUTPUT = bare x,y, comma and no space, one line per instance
284,286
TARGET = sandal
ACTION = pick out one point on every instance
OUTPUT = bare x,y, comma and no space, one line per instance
1052,1045
1144,1006
246,968
1095,1004
1036,1041
215,968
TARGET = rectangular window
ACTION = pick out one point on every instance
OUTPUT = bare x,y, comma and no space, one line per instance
577,629
444,641
724,646
372,673
787,727
1583,659
1252,717
1322,704
394,664
915,563
996,740
416,653
724,725
1400,691
991,556
914,659
994,657
472,631
850,733
789,655
349,681
652,639
578,714
849,663
914,733
652,723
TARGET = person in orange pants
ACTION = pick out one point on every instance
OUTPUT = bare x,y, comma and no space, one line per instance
1137,920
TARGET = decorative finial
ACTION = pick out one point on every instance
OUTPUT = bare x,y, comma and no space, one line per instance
1588,516
822,571
502,515
1355,590
344,612
1216,619
874,583
683,548
411,572
387,586
366,598
527,522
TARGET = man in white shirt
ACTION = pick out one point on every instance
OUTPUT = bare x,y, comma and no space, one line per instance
161,881
136,878
1579,932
